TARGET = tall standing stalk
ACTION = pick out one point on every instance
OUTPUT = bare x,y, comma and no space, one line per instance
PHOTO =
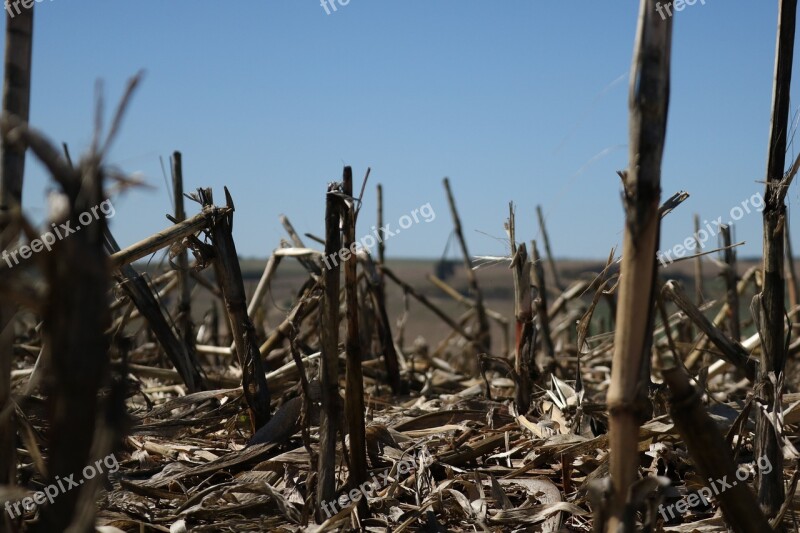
329,366
731,294
524,362
377,287
78,279
381,244
698,264
354,391
16,102
548,347
185,327
773,356
648,102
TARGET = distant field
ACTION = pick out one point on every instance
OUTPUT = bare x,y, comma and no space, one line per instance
495,282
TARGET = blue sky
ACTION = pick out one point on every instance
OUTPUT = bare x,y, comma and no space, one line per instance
513,100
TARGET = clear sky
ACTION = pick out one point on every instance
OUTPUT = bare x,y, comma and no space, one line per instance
513,100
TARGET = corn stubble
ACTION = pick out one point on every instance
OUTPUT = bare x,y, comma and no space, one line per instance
585,402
